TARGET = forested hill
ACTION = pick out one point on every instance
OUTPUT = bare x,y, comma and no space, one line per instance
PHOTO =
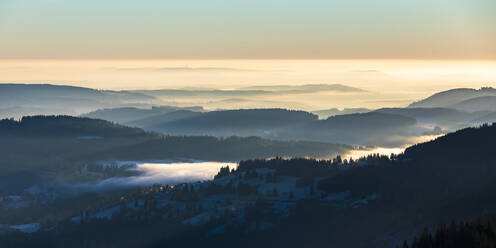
438,116
373,120
50,126
126,115
480,233
462,159
452,177
61,143
244,118
89,134
475,143
30,93
456,98
372,128
17,100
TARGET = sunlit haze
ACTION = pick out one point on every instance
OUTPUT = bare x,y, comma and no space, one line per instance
389,83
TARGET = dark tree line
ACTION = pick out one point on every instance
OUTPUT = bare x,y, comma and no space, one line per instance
480,233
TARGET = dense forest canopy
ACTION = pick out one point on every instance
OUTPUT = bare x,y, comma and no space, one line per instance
479,233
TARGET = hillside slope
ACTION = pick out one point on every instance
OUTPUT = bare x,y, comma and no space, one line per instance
483,103
60,144
47,98
452,97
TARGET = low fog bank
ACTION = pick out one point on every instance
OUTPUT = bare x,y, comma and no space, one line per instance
387,150
150,173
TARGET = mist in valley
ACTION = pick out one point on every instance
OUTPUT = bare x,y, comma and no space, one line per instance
382,83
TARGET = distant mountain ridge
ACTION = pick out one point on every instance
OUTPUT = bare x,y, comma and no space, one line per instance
251,90
281,124
130,114
306,88
14,92
54,126
483,103
490,118
443,117
17,100
246,118
62,99
371,128
326,113
457,99
154,122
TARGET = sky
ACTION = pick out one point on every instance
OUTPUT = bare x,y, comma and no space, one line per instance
248,29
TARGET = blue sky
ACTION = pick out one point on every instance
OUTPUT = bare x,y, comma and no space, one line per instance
256,29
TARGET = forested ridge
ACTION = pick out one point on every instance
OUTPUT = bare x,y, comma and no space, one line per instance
479,233
377,200
61,144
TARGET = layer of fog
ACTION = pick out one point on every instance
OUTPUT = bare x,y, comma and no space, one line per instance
171,173
150,173
393,83
366,151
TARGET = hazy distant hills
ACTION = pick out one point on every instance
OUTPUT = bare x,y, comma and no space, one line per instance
129,114
452,109
245,122
251,91
307,88
490,118
445,118
192,121
12,94
274,96
20,111
174,93
17,100
483,103
157,122
464,99
455,108
448,110
22,99
371,120
363,129
326,113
